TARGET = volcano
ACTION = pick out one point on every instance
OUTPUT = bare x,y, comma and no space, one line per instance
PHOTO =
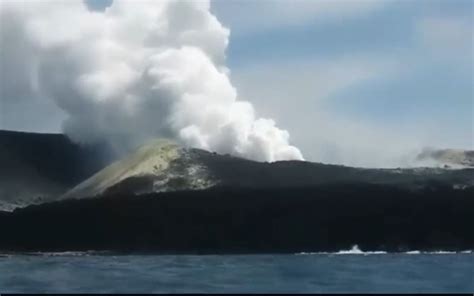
162,197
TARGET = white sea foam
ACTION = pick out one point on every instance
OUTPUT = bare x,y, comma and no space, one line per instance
356,251
57,254
415,252
353,251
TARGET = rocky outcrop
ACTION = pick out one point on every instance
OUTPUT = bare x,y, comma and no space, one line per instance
158,166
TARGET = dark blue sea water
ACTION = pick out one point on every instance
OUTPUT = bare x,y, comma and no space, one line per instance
345,272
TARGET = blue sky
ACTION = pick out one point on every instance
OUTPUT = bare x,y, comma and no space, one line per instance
395,73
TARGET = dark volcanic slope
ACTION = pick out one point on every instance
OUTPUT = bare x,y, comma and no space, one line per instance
54,154
239,220
235,171
33,165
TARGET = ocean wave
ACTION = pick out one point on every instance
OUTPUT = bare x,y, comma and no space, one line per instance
57,254
416,252
356,251
353,251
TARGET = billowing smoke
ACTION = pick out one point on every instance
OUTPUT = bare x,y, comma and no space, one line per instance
138,70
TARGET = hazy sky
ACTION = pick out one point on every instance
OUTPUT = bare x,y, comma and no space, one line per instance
354,82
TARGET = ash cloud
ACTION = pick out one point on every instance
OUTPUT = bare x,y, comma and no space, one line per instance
135,71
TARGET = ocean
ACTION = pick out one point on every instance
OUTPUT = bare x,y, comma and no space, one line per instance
347,271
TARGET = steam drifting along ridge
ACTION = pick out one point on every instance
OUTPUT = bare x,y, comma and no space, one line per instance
138,70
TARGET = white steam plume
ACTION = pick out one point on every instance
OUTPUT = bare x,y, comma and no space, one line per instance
138,70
